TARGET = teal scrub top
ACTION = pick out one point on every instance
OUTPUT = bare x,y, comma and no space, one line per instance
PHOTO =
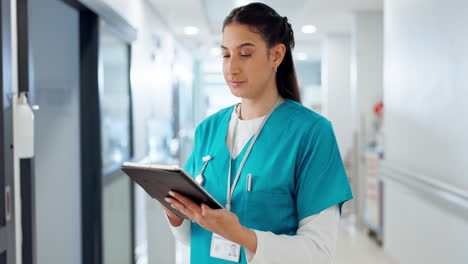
295,166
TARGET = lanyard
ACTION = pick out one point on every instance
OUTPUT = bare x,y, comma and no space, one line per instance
230,190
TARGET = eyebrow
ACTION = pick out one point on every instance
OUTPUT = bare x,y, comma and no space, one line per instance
240,46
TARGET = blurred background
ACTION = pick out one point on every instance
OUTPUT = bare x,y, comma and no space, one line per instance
110,81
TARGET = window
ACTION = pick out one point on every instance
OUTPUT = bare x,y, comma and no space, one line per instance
115,100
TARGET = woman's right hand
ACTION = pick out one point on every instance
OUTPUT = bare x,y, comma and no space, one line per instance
174,220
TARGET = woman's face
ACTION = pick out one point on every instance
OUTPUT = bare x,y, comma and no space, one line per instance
247,65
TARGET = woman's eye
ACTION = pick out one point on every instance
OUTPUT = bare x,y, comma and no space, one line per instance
242,55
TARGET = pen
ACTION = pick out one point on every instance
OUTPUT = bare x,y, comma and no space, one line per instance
249,182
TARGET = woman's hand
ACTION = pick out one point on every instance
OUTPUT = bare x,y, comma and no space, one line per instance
174,220
219,221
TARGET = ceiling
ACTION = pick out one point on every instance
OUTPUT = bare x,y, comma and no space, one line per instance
329,16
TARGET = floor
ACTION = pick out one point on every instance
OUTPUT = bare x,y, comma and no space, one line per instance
356,247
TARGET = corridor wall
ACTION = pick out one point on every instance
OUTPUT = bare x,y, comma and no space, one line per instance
425,83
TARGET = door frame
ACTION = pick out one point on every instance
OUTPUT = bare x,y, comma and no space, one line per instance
93,175
7,186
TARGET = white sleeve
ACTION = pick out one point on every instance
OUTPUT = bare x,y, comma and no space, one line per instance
314,242
182,232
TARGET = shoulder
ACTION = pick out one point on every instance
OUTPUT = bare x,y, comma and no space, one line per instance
306,120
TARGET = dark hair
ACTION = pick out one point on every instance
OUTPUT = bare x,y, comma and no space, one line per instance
274,29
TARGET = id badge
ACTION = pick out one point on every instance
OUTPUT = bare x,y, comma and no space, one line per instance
224,249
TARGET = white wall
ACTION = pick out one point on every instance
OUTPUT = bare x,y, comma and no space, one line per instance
426,87
367,70
366,91
425,124
417,231
336,87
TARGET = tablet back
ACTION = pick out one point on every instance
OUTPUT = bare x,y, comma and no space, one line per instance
157,181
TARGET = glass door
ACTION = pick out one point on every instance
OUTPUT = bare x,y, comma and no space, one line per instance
116,147
54,35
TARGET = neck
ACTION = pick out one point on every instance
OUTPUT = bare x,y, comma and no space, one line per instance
252,108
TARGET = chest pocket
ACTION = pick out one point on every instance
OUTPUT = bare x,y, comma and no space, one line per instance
270,204
267,211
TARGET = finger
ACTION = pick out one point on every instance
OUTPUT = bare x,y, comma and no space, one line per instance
180,207
193,209
206,210
175,203
167,210
192,206
163,206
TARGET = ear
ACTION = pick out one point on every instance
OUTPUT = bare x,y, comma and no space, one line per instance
277,54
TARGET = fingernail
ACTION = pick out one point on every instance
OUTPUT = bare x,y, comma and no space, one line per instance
171,193
167,200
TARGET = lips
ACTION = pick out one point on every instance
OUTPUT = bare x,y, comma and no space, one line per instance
236,83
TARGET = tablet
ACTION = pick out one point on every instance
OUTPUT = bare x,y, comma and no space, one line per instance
157,180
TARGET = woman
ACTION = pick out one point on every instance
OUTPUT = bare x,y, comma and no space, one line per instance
274,163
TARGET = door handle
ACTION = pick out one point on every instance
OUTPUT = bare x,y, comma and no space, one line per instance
7,203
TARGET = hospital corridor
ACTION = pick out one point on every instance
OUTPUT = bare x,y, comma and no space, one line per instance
234,131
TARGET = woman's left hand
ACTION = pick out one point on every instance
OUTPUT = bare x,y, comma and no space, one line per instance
219,221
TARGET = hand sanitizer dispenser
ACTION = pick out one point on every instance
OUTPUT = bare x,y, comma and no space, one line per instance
23,124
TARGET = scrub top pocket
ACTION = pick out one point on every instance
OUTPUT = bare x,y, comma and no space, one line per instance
266,211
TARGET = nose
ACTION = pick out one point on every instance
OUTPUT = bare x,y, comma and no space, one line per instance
232,66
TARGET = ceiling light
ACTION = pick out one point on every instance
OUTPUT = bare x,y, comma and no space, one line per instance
309,29
190,31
